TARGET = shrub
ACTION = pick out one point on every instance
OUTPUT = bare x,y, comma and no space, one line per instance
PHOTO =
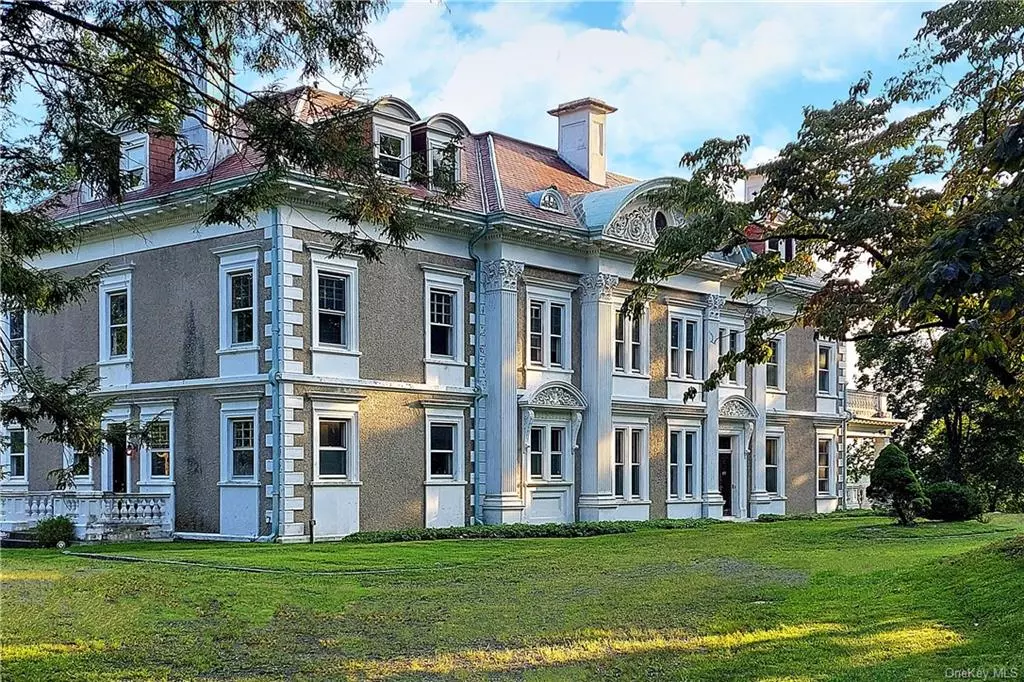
811,516
892,482
524,530
953,502
50,532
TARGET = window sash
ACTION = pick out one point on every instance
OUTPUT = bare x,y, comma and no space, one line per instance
824,465
442,323
690,446
620,341
389,159
635,346
536,333
537,452
556,451
242,306
771,464
824,369
243,448
117,323
443,446
673,464
634,462
333,447
772,366
620,462
674,332
16,334
332,309
556,317
16,450
690,349
159,449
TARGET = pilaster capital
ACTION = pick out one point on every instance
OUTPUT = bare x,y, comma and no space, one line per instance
713,306
598,286
760,311
502,275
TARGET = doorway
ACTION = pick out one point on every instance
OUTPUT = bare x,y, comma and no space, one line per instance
118,440
725,449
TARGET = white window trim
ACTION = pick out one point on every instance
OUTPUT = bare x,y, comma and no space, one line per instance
438,143
382,126
111,284
833,472
235,259
727,326
6,322
779,433
157,412
681,427
781,361
181,172
9,478
833,374
645,345
547,293
546,422
131,140
631,423
348,411
685,314
69,459
321,262
446,415
236,409
449,281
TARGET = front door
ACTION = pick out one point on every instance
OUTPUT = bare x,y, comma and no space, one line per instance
118,458
725,472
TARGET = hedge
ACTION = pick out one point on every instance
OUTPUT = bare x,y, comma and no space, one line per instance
839,514
579,529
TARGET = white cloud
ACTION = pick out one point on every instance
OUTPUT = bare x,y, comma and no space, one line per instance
677,72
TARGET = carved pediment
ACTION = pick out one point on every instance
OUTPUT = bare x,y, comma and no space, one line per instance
735,408
634,226
559,396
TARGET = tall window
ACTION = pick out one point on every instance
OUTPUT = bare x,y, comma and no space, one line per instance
731,341
332,450
81,464
332,309
824,465
243,448
135,162
629,344
159,449
547,452
629,462
771,464
16,334
442,323
674,346
690,350
16,450
547,333
442,450
682,455
391,154
117,323
242,307
444,166
825,369
772,366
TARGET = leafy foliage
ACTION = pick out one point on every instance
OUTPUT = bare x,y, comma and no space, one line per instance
50,532
948,501
892,482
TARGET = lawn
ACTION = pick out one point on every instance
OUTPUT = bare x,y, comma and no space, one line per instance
844,598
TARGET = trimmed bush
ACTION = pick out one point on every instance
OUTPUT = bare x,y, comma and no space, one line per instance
580,529
892,482
953,502
838,514
50,532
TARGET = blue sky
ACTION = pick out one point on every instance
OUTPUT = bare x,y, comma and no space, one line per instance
678,72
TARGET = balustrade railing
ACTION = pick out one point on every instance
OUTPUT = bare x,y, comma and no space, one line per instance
94,513
867,404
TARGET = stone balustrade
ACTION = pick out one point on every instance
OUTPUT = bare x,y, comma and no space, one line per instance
96,515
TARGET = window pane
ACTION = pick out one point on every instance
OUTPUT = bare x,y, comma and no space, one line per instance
536,453
332,328
118,308
333,462
442,305
620,446
673,465
17,441
241,290
442,437
332,433
118,341
441,464
771,480
390,145
441,340
159,435
241,326
160,463
332,293
16,324
557,312
17,466
242,463
557,448
771,451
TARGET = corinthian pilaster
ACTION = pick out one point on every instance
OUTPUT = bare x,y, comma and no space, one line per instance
503,501
712,499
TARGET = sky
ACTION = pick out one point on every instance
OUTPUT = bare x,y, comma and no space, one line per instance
679,73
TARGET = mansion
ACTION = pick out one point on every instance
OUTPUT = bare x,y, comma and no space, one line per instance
483,374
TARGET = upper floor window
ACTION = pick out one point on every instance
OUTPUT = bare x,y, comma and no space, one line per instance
444,166
551,200
16,453
547,452
115,317
392,150
732,341
629,473
444,300
682,452
332,309
660,221
775,366
630,344
548,333
16,335
442,323
826,369
192,151
241,286
683,347
135,160
786,248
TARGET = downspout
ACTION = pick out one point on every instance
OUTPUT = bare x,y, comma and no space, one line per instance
478,395
274,377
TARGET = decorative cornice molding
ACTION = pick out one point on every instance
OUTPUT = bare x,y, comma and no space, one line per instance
713,306
502,275
598,286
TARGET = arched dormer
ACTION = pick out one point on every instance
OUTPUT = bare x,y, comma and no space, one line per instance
549,199
392,136
436,142
624,213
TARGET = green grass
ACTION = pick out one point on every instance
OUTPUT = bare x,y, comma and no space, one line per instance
845,598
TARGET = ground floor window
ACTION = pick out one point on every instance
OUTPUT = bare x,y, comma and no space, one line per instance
445,444
442,450
16,453
682,455
630,463
159,449
547,452
771,464
824,466
243,447
332,448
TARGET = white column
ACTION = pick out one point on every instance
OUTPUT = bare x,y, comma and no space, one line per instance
597,499
712,498
759,396
503,502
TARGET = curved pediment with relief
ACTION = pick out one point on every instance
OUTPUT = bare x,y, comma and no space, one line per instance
640,223
737,408
555,395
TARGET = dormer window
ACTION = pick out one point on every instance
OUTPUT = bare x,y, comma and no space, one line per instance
192,156
551,200
444,165
135,160
392,152
786,248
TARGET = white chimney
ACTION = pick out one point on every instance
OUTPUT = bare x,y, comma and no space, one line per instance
751,186
581,136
